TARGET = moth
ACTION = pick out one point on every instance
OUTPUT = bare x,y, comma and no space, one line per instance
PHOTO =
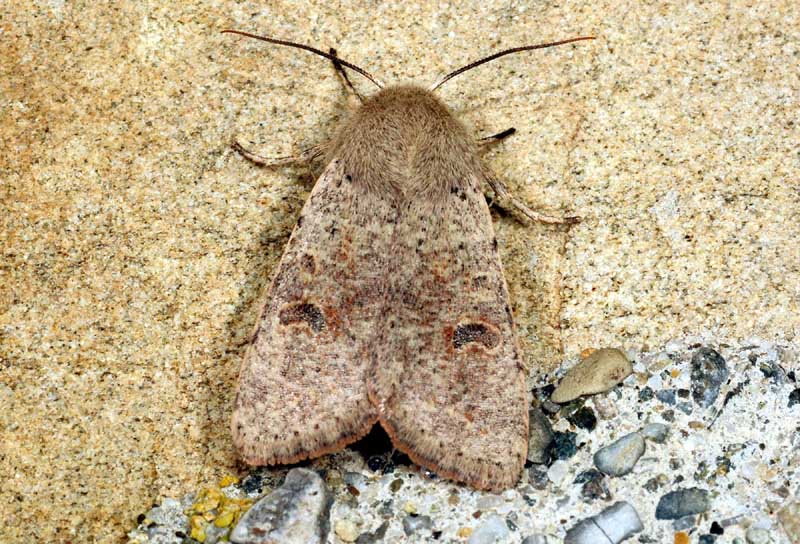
389,304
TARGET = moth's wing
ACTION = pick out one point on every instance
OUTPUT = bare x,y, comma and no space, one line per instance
446,376
302,385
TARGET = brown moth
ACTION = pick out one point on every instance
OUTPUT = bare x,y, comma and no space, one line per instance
389,304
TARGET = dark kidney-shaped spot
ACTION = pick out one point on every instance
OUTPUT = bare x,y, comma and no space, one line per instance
302,312
475,332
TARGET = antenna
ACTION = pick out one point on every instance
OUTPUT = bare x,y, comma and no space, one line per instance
334,58
503,53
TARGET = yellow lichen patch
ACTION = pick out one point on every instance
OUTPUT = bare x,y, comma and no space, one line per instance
465,532
197,525
208,500
228,480
213,506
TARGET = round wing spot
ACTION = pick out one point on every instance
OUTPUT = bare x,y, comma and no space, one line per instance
478,333
302,313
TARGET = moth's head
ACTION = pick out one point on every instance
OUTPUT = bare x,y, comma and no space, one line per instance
345,64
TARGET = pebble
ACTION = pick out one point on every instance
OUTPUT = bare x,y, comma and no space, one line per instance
709,372
789,516
599,372
538,477
416,524
540,438
655,432
298,511
494,529
564,445
583,418
794,397
619,458
536,539
667,396
346,529
373,537
594,485
612,525
683,502
557,472
757,536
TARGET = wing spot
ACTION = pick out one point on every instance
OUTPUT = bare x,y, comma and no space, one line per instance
475,332
302,312
308,263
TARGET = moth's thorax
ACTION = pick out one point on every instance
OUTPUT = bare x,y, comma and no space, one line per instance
404,139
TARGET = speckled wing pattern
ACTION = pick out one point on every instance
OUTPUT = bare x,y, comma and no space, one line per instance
445,375
302,385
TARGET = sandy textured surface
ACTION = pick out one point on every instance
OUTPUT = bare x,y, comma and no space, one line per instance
134,242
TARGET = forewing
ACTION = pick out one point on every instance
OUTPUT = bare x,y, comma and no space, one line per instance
302,385
446,375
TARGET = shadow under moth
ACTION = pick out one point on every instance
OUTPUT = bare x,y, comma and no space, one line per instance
389,304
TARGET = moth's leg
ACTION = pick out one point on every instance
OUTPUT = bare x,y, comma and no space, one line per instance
497,137
305,156
343,73
505,200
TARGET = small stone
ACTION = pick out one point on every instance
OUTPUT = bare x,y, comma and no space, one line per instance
619,458
789,516
645,394
416,524
346,529
537,477
656,482
709,372
550,407
655,432
668,415
683,502
373,537
594,485
557,472
536,539
716,529
396,484
583,418
707,539
494,529
612,525
757,536
667,396
564,445
681,538
298,511
794,397
540,438
599,372
685,523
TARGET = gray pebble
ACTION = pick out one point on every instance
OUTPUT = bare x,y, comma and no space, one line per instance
612,525
620,457
667,396
540,437
493,530
536,539
373,537
655,432
683,502
757,536
709,372
416,524
685,523
298,511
